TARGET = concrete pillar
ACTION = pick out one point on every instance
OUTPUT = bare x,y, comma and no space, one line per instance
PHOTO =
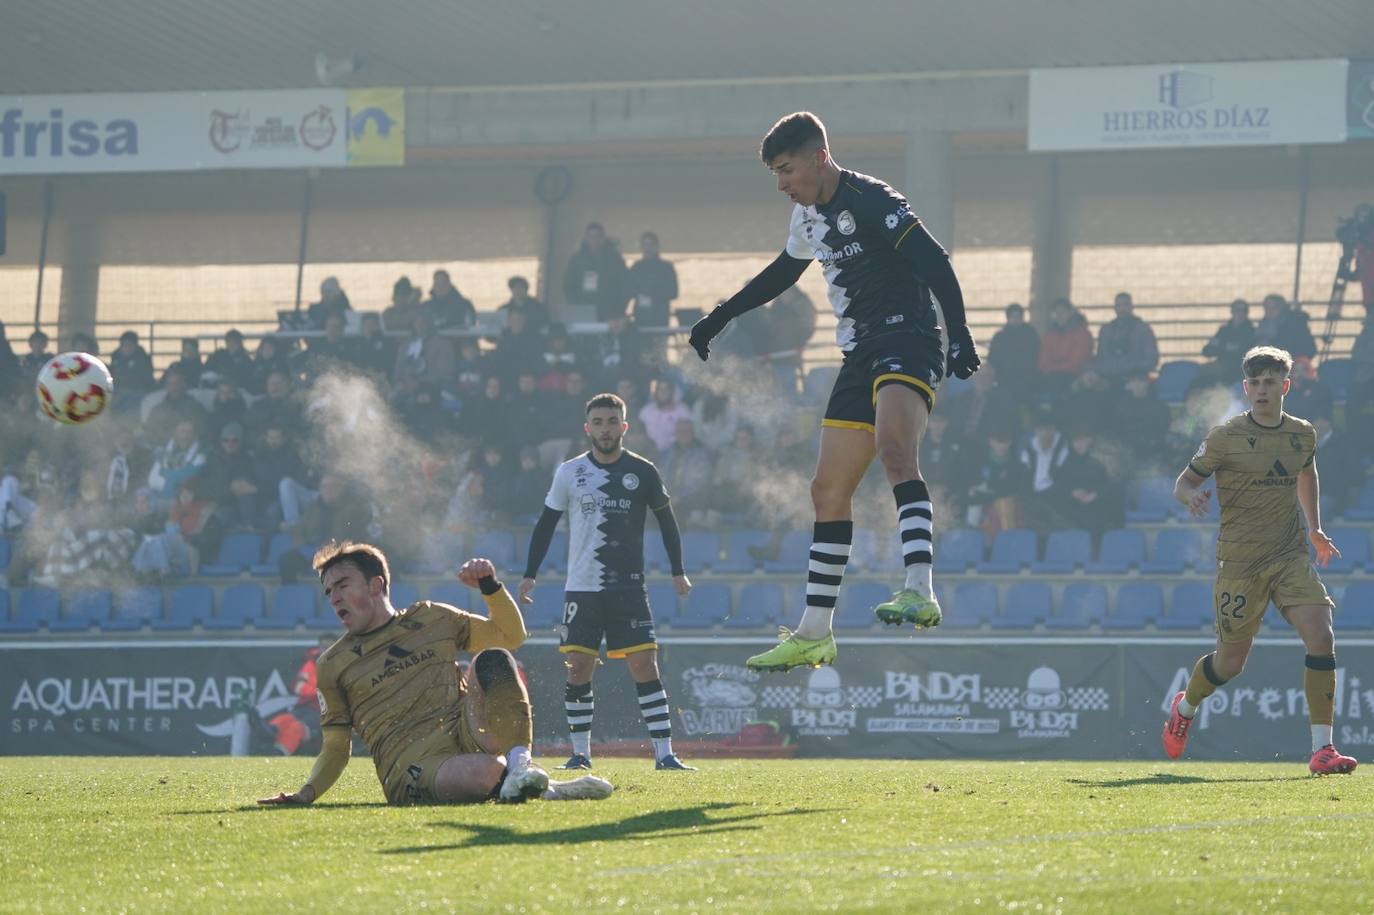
1052,245
80,294
930,182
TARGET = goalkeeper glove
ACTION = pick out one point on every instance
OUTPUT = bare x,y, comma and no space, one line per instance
706,330
962,359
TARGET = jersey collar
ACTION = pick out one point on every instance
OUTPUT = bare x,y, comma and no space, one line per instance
1250,415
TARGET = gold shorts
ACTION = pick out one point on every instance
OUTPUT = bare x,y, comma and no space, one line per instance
411,780
1240,603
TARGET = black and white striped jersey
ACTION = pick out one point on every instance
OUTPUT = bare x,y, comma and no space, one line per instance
606,505
855,236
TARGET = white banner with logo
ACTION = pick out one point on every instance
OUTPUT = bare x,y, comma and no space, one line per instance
173,131
1169,105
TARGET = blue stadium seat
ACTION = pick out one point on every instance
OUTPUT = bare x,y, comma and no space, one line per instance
456,594
877,551
737,558
759,605
441,554
662,601
1138,604
277,547
1353,542
700,550
85,608
1190,607
1355,609
34,607
239,606
1012,551
1065,551
1363,509
4,554
292,605
857,600
655,555
238,553
707,605
818,382
403,594
134,609
10,623
499,547
1337,374
187,607
1027,604
1120,551
1083,605
958,550
793,554
1153,500
1176,549
974,605
546,611
1174,378
556,559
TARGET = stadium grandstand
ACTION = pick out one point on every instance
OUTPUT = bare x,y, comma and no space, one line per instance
359,280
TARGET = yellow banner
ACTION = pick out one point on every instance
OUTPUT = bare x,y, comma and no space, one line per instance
376,127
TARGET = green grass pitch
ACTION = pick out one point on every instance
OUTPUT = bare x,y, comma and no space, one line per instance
183,835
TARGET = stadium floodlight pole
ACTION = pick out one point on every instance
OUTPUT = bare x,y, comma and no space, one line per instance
42,252
1304,181
305,233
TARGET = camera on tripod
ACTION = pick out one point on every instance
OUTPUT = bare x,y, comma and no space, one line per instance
1351,230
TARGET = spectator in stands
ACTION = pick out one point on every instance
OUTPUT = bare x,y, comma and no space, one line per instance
230,480
1309,397
281,478
1139,422
279,408
1342,465
1231,342
177,550
449,307
36,357
485,416
1083,494
617,353
27,492
10,373
272,356
536,312
1286,327
1015,353
660,416
714,421
527,411
228,407
176,405
596,275
1066,347
519,347
498,495
528,487
232,362
179,460
370,350
189,362
422,410
559,358
132,370
426,358
735,470
1043,454
340,512
944,464
127,470
687,468
405,304
469,371
91,544
1126,348
652,284
83,342
987,406
1000,484
332,351
333,301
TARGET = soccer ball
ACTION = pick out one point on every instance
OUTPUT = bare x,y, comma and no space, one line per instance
74,388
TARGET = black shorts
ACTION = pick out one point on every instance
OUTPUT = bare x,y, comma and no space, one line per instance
623,617
915,361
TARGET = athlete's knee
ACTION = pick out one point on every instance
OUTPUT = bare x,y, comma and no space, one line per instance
897,457
495,666
1319,640
1229,662
829,494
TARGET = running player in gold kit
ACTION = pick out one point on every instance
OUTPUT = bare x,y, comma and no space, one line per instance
434,738
1265,463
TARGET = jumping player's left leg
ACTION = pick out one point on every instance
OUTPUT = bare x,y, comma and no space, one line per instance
653,706
1313,624
902,412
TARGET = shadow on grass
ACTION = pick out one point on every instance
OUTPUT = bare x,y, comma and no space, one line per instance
254,808
661,823
1169,778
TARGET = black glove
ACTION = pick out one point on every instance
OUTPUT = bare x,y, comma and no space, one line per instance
706,330
962,359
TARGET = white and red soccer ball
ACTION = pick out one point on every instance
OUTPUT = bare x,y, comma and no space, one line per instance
74,388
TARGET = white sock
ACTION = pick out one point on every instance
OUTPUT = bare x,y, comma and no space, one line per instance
1186,710
582,743
815,622
1321,735
663,746
918,579
517,757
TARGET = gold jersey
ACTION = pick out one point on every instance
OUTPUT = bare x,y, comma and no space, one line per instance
398,684
1257,471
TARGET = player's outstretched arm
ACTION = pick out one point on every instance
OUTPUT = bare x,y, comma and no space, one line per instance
505,626
329,765
773,281
1309,497
540,538
1188,490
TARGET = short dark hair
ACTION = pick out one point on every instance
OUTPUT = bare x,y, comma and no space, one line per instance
608,401
799,131
369,560
1015,308
1261,359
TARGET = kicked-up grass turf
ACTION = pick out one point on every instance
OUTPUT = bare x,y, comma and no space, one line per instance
184,835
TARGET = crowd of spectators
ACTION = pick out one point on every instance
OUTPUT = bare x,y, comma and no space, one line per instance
1050,434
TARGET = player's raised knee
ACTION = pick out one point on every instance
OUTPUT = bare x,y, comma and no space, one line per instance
495,666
